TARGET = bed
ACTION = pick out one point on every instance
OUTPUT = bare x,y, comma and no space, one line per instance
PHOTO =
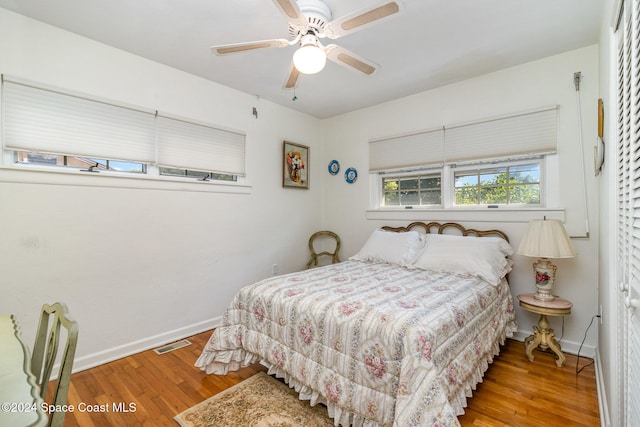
398,335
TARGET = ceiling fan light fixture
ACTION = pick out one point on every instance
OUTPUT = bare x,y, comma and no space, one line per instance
310,58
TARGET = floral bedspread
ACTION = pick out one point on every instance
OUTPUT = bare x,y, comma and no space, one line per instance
380,345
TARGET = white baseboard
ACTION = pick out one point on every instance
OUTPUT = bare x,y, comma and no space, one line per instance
102,357
605,418
567,346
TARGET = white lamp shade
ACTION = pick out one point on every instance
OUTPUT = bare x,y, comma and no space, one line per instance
309,59
546,238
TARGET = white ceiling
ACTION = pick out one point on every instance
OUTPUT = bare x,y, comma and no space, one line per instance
431,43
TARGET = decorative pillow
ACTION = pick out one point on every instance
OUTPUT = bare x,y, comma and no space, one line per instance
391,247
484,257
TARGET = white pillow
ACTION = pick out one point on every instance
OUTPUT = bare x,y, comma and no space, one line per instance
484,257
391,247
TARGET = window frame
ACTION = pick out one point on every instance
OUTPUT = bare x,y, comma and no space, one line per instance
447,182
91,164
494,165
416,174
206,176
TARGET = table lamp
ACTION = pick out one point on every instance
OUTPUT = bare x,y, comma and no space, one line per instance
544,239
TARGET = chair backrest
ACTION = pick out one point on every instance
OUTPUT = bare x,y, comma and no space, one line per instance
45,350
313,260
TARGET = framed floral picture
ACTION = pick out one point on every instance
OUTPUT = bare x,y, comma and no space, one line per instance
295,165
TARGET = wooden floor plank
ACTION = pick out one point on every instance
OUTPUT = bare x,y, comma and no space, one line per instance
514,391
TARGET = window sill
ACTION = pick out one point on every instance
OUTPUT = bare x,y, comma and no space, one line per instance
20,175
466,214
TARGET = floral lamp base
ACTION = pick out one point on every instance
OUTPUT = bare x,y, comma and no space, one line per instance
545,278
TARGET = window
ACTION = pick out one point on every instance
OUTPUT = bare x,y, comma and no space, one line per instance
90,134
513,183
119,166
202,176
503,185
24,157
193,146
457,165
415,190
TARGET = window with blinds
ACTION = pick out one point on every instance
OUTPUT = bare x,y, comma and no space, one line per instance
505,137
89,132
45,121
497,161
512,136
406,151
187,145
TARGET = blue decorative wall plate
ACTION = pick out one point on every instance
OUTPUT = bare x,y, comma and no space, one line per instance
334,167
351,175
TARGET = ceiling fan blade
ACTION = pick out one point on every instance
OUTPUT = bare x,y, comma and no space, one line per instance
348,59
241,47
358,20
291,11
292,80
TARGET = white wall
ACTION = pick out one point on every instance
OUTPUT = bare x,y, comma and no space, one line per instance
138,267
537,84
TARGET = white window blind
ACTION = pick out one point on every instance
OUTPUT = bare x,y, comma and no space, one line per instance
515,135
418,149
41,120
188,145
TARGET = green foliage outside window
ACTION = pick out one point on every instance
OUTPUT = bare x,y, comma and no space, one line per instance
519,184
412,190
512,184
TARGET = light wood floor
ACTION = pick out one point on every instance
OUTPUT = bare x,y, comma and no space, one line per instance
515,392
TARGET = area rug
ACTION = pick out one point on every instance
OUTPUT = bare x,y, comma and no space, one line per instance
258,401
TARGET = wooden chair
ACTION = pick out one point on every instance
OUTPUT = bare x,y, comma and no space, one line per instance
45,351
314,256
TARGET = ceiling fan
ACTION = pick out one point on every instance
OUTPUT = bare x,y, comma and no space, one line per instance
310,21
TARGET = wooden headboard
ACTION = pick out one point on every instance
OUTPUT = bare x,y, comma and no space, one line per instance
436,227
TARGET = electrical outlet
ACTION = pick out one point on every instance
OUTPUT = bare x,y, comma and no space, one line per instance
274,269
600,314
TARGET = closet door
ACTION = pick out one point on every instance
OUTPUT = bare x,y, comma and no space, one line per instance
624,210
631,299
628,259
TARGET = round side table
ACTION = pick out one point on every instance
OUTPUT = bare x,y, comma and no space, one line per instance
543,336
